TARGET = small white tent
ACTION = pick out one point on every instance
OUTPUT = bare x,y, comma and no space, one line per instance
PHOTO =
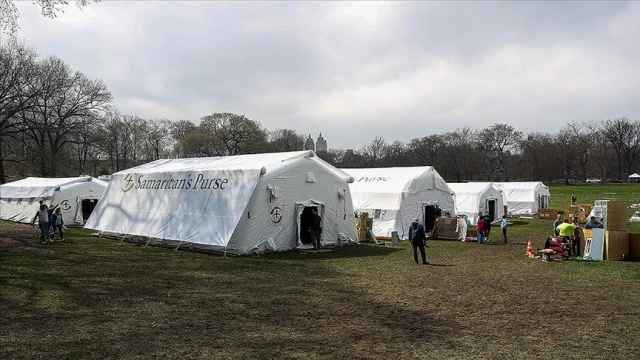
237,204
525,197
473,198
76,196
396,196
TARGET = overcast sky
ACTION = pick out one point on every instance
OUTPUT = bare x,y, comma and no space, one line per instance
354,71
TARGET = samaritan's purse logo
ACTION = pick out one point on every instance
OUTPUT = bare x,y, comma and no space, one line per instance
128,183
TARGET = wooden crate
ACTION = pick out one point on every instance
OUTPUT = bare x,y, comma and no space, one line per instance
547,214
634,245
616,216
616,245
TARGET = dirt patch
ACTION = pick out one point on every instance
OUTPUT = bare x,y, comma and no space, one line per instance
15,234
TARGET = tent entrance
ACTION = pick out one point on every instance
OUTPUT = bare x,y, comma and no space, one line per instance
87,206
431,212
304,216
491,208
543,202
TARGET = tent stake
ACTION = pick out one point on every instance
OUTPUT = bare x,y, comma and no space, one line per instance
178,246
148,239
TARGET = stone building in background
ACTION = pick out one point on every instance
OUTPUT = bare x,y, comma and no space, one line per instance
320,145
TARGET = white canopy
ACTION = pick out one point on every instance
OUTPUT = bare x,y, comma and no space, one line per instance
76,196
473,198
396,196
525,197
634,176
240,204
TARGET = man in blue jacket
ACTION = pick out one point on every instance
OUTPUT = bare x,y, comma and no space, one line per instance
418,236
557,223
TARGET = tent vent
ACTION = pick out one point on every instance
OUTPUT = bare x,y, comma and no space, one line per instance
275,192
311,177
342,193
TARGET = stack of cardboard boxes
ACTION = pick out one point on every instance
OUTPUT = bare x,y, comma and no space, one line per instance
363,224
578,211
616,236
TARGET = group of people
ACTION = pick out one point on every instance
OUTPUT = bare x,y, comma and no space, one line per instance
49,220
483,227
570,232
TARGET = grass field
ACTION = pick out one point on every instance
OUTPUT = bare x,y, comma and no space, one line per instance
88,297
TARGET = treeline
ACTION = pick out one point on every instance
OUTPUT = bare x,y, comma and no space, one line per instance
56,121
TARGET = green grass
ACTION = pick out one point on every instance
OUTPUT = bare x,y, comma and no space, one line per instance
88,297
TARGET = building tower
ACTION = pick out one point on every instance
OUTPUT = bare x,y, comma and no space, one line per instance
309,145
321,144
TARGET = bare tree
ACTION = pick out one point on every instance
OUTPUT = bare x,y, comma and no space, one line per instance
17,89
374,152
237,134
497,143
459,148
179,129
9,13
428,150
624,136
200,143
66,101
281,140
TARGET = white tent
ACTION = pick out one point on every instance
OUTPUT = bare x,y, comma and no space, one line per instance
634,176
237,204
525,197
472,198
396,196
76,196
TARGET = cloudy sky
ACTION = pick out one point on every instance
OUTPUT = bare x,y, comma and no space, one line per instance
354,71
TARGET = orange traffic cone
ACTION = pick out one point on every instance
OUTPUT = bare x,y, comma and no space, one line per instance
529,248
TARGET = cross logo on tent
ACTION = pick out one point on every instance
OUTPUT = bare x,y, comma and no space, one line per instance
129,183
65,205
276,215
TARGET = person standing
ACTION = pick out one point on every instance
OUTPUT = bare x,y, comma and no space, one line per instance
557,223
480,229
418,237
577,238
316,229
43,222
488,219
503,226
57,223
573,199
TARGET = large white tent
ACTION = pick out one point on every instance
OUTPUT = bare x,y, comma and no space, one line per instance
396,196
237,204
76,197
473,198
525,197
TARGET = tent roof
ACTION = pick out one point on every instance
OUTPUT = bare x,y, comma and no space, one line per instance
396,179
469,188
37,187
521,185
634,176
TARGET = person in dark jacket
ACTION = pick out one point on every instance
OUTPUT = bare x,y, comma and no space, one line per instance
488,219
316,229
418,236
593,224
557,223
57,223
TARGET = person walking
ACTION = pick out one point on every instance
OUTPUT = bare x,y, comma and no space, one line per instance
480,229
418,236
57,223
503,226
557,223
43,222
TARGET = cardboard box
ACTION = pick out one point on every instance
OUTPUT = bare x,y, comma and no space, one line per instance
616,245
547,214
616,216
446,228
634,245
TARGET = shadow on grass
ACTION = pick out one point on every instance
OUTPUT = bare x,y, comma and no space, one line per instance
128,302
